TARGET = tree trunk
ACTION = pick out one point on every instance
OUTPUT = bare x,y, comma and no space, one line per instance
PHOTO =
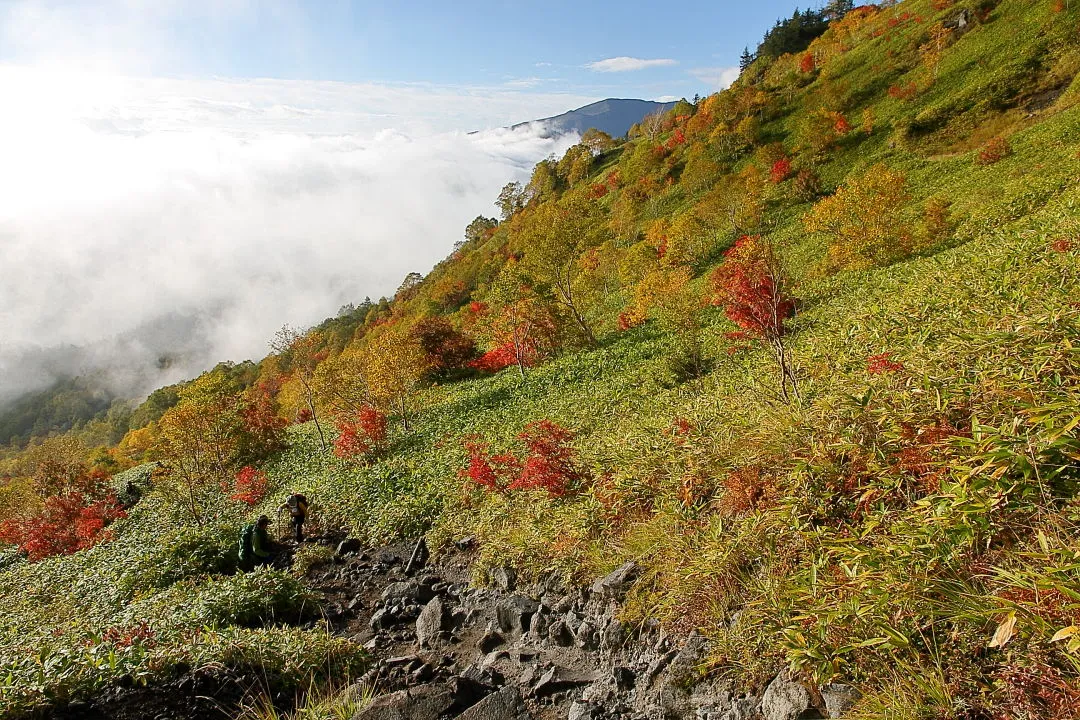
318,427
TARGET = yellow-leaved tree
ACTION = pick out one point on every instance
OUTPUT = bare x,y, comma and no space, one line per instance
394,365
861,221
554,237
199,440
301,352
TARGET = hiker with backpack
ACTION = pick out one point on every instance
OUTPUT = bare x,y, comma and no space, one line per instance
255,546
297,505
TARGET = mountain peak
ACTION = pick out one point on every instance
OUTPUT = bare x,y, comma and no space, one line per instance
615,116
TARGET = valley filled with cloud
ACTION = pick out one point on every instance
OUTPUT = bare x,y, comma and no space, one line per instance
190,218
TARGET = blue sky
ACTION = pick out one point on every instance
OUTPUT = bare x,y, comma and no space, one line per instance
527,46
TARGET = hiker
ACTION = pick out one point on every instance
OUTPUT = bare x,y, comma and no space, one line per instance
255,548
297,505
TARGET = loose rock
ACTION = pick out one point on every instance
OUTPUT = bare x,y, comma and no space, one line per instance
784,699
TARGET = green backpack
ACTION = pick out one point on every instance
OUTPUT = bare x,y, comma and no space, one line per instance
246,536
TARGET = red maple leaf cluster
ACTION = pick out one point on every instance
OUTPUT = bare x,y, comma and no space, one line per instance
549,464
883,363
746,286
364,436
780,171
496,359
68,523
250,486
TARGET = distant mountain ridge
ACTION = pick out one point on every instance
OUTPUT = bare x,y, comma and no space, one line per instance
615,116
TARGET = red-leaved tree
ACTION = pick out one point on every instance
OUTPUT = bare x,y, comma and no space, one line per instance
549,465
494,473
780,171
250,486
447,348
66,524
365,436
500,358
263,431
751,286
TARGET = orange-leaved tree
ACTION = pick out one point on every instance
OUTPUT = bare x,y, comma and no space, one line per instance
60,506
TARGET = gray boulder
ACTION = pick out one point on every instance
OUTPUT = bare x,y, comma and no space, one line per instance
560,634
558,679
785,699
839,698
423,703
504,578
431,622
349,546
408,590
514,612
617,582
506,704
582,711
742,709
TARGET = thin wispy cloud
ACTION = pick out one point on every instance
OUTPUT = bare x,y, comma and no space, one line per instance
628,64
529,82
717,78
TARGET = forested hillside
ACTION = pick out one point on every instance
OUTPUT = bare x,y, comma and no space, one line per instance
806,351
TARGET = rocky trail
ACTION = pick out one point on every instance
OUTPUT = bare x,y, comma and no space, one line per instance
445,649
442,649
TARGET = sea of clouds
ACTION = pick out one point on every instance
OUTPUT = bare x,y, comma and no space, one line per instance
192,218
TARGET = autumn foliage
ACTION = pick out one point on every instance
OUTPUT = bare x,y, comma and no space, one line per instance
750,286
861,221
66,524
491,472
447,348
994,150
549,463
500,358
883,363
780,170
250,486
365,436
262,431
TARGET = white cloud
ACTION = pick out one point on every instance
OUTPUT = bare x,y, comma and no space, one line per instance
717,78
524,82
626,64
145,216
